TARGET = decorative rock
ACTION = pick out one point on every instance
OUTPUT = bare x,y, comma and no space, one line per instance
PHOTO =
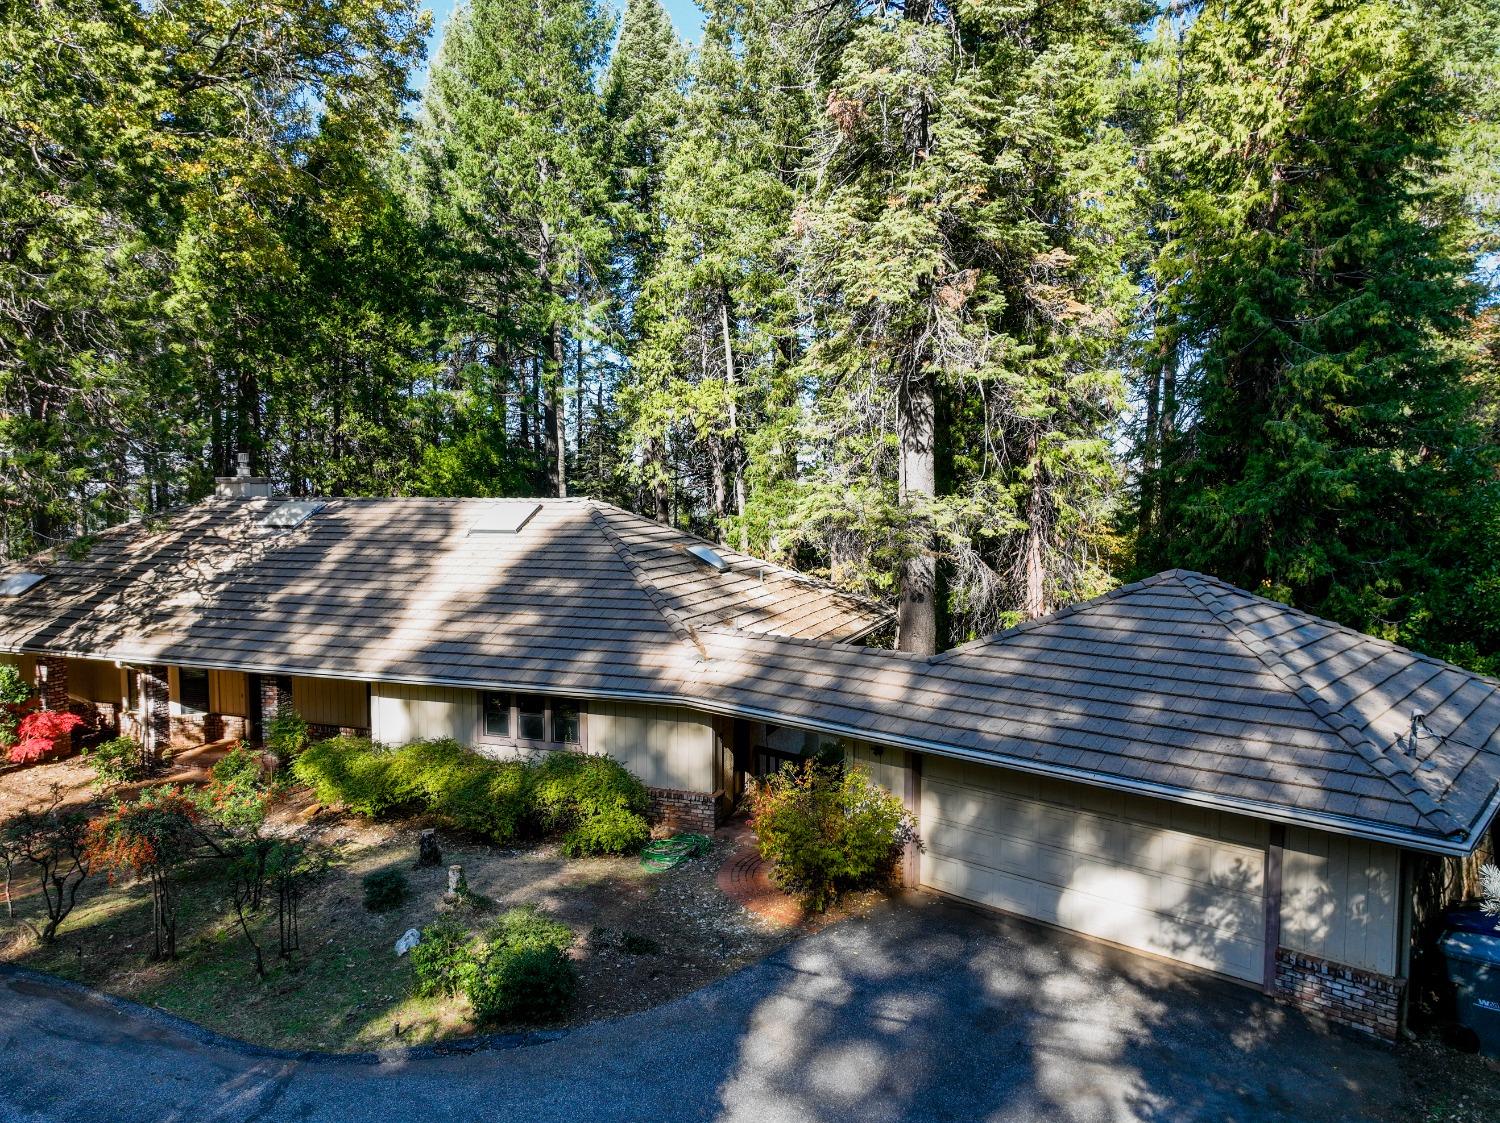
409,939
428,851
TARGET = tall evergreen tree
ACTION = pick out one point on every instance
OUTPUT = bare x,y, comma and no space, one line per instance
960,247
516,145
1317,295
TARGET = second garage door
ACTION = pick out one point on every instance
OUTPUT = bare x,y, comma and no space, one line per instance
1177,881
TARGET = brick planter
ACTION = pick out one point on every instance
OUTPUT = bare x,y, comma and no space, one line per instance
676,811
1363,1000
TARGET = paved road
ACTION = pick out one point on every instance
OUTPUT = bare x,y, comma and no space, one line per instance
924,1011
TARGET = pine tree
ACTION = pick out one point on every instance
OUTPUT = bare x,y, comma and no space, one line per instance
714,313
516,146
960,242
1317,297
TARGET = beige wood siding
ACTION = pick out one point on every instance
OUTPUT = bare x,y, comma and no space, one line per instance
26,663
95,680
229,693
666,746
401,714
1177,881
1339,899
326,701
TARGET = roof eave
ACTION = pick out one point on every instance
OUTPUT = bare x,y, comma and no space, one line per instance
1461,845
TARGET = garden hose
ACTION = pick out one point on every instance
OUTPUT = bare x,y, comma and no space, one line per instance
669,853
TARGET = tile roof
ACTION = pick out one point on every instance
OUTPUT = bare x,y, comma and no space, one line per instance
1179,685
584,597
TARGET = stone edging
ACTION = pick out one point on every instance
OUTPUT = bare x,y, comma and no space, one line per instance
462,1046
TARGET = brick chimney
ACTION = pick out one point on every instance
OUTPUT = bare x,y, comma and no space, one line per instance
242,485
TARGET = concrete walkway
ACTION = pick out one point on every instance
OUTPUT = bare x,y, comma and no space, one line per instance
923,1011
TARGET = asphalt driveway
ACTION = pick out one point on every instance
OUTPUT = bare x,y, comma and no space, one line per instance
924,1011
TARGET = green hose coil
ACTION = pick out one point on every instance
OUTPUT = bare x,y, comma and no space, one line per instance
669,853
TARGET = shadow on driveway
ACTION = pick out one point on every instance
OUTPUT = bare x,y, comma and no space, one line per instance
925,1010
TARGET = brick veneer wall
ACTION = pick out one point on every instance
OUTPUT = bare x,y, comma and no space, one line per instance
157,700
52,682
1364,1000
675,811
323,732
275,692
190,730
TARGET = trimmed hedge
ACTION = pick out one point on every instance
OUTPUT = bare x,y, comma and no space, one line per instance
592,801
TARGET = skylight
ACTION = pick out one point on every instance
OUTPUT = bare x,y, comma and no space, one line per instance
504,518
15,584
709,557
284,516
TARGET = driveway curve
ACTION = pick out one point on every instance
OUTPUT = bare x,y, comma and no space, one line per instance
925,1010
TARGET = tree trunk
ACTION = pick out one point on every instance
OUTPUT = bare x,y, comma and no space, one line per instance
736,454
916,613
553,418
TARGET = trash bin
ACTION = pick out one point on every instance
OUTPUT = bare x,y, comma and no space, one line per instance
1473,961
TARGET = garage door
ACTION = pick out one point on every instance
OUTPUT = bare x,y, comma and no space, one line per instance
1176,881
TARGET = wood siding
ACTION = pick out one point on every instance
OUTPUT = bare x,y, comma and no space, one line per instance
229,693
337,702
95,680
1340,899
667,747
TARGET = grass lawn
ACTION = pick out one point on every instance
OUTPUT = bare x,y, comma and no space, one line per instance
641,938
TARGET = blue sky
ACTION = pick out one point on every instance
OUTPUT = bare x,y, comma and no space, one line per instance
686,15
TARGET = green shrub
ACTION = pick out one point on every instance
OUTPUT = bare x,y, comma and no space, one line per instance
239,766
15,692
467,790
827,830
612,831
286,734
120,760
441,959
521,972
598,805
593,801
354,772
386,890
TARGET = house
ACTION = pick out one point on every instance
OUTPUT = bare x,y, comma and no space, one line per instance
1178,767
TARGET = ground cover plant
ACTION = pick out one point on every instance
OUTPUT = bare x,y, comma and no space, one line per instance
309,967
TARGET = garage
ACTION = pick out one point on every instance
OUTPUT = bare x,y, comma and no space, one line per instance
1181,882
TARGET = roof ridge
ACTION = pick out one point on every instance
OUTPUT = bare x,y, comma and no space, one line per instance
1059,614
782,572
1345,629
680,627
1396,771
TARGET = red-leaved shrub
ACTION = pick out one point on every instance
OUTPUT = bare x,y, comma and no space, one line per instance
39,733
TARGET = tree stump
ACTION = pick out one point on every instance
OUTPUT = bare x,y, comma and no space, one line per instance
457,886
428,851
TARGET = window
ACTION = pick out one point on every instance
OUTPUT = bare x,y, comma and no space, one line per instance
133,691
566,727
192,690
535,719
497,715
531,717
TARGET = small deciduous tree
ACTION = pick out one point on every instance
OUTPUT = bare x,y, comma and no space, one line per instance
150,838
38,732
54,841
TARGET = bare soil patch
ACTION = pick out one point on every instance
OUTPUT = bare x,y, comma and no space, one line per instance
642,938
